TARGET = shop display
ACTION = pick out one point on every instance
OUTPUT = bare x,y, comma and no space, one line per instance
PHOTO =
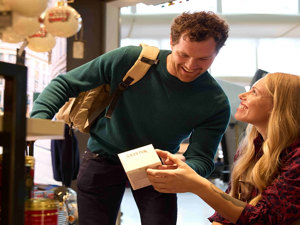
25,26
66,198
31,8
42,41
62,20
36,26
29,176
10,36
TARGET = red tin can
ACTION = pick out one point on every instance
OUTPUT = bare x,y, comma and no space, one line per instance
29,176
41,211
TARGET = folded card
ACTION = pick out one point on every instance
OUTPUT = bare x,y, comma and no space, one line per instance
136,161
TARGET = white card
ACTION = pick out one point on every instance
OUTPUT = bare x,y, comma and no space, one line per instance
136,161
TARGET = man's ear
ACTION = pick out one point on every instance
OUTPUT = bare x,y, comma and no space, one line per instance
171,42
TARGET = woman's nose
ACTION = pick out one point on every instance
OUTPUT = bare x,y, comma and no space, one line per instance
242,95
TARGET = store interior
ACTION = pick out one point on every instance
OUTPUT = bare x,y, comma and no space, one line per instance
264,36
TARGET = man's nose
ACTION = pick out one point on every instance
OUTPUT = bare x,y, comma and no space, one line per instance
191,64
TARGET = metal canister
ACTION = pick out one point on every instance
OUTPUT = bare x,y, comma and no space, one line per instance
29,176
41,211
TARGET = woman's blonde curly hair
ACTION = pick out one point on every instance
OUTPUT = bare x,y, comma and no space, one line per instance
283,129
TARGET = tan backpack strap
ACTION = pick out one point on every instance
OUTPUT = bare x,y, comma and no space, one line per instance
147,58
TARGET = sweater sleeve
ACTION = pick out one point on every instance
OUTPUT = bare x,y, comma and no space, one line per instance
205,139
82,78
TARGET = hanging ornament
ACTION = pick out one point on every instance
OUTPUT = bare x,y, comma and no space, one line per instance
31,8
78,45
4,6
42,41
50,57
62,20
5,16
171,3
21,49
25,26
10,36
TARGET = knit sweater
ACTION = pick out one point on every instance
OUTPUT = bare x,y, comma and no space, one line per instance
159,109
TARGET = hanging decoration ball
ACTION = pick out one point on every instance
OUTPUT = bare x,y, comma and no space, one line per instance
4,6
5,15
10,36
32,8
24,25
42,41
62,21
171,3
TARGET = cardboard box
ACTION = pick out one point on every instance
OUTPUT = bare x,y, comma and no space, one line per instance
135,163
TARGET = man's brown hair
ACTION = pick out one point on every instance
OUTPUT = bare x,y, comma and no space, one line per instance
200,26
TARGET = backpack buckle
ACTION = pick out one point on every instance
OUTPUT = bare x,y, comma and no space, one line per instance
149,61
123,86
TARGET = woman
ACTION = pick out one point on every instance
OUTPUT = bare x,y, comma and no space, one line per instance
265,180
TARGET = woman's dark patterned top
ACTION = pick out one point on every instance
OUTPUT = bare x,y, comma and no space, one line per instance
280,203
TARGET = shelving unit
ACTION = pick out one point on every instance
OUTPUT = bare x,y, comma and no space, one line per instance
12,138
15,130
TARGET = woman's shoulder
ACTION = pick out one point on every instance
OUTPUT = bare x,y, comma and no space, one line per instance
294,149
291,157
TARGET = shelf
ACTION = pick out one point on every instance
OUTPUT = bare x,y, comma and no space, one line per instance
41,129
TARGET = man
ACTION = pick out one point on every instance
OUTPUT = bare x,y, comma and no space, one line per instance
175,100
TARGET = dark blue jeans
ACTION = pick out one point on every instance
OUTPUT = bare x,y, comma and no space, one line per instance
101,185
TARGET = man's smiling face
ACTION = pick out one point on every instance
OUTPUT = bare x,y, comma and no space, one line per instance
190,59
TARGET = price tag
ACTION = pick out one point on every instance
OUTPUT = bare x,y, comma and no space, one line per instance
78,49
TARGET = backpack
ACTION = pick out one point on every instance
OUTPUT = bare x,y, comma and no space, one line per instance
82,111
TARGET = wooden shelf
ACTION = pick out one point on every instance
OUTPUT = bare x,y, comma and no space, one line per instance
41,129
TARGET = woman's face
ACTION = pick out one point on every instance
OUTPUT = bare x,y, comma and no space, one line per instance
256,105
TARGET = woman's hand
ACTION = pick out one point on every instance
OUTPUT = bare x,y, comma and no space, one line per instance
174,176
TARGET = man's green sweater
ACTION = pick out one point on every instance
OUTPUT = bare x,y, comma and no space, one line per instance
159,109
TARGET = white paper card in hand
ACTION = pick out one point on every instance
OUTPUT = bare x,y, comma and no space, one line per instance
136,161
